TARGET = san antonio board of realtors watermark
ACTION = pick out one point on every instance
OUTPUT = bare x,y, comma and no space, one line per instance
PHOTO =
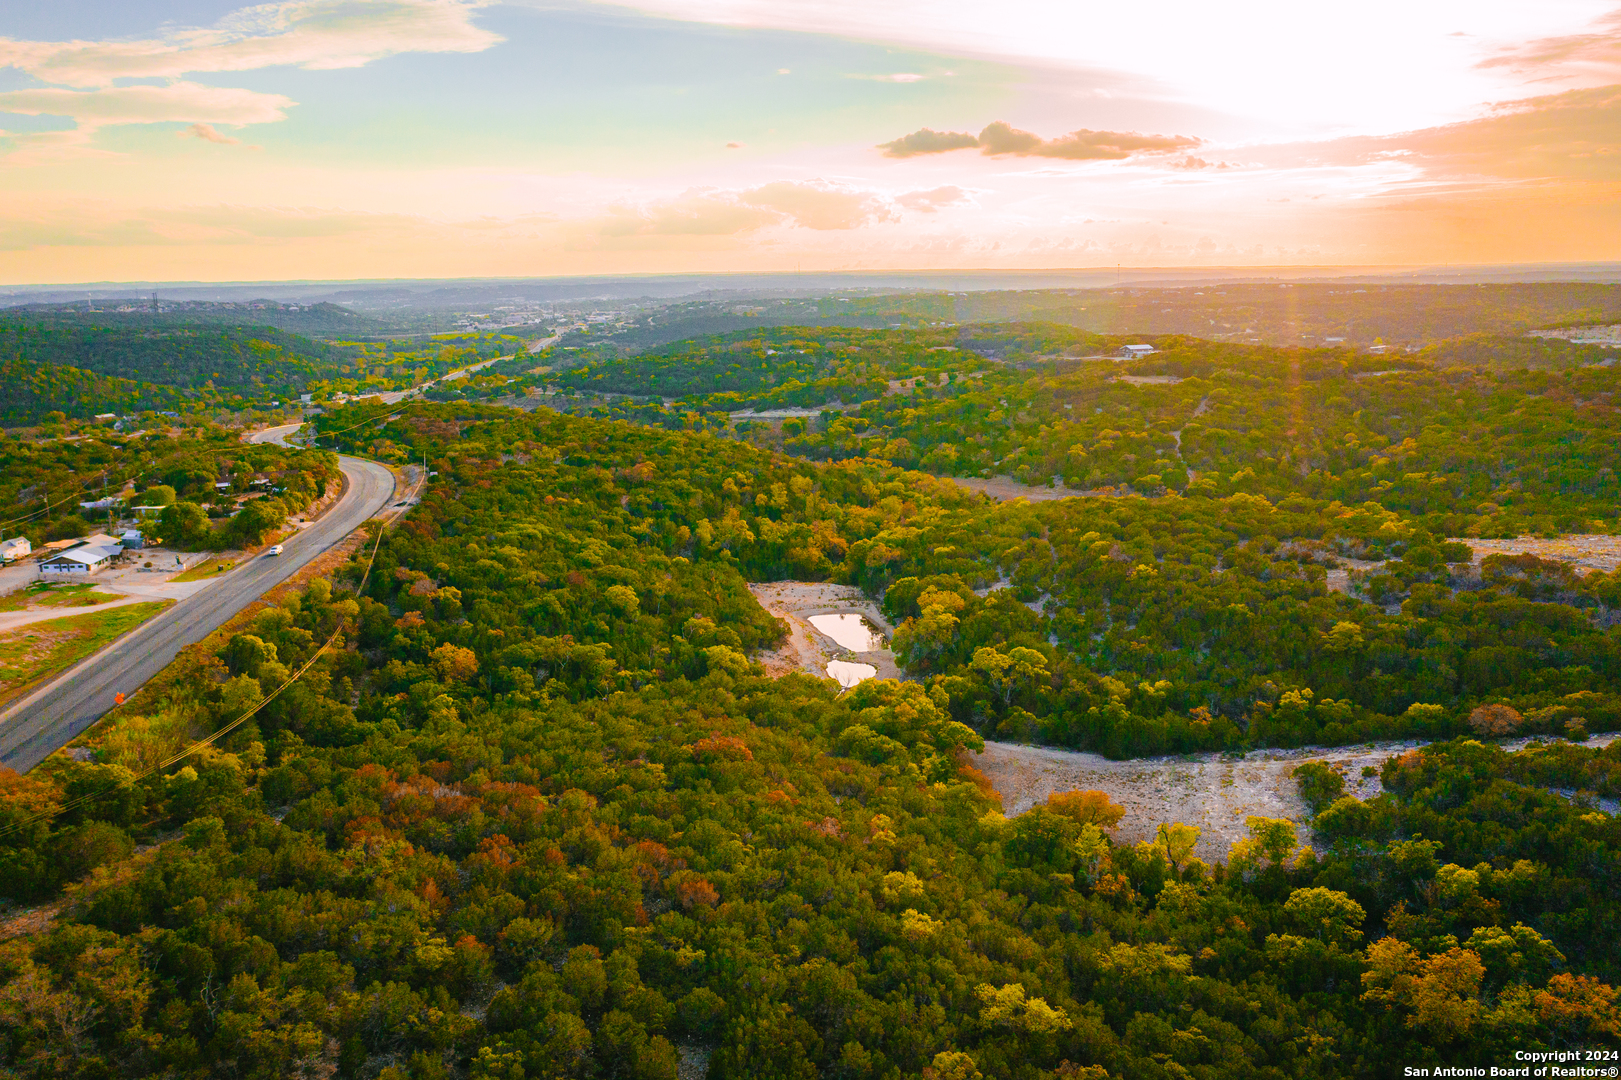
1534,1063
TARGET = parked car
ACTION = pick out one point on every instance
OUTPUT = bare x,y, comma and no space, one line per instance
273,549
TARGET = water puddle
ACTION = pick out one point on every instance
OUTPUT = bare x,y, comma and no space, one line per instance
852,631
847,674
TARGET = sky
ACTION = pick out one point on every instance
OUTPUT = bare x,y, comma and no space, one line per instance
331,139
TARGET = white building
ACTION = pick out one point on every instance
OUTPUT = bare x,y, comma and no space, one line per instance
83,560
1133,352
16,548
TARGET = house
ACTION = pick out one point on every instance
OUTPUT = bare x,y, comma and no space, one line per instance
132,539
146,511
110,502
1134,352
96,539
1378,350
84,559
16,548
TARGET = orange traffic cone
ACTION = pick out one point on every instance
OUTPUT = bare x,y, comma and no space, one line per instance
118,699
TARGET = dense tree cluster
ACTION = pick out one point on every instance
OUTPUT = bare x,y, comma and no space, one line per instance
1303,312
794,366
1471,453
30,391
215,490
535,813
83,364
247,359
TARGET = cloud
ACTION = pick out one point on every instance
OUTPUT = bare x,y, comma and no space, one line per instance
186,102
704,213
1002,138
88,223
723,215
928,141
928,202
208,133
313,34
1596,53
1549,139
819,206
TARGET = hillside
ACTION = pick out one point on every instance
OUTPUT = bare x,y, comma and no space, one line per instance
29,391
250,360
322,320
536,813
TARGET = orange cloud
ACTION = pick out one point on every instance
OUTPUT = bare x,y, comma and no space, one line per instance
1002,138
187,102
208,133
819,206
930,201
313,34
1597,52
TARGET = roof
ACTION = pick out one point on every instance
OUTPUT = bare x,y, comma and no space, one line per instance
89,555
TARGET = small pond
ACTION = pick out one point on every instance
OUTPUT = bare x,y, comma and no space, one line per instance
850,630
848,674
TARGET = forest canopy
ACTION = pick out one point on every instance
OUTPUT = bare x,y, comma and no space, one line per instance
535,808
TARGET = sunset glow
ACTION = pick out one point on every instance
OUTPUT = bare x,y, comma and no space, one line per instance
367,138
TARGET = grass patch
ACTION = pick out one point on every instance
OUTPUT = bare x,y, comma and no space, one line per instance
51,594
34,652
207,569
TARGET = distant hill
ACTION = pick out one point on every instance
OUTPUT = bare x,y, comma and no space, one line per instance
251,360
315,320
1306,314
29,390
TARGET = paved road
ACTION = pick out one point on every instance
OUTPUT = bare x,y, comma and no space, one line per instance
33,729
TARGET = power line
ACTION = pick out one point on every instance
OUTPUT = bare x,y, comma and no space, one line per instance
71,496
209,740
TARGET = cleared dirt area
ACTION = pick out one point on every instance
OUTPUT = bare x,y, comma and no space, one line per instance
808,648
1213,791
1004,488
1216,792
1148,380
1584,551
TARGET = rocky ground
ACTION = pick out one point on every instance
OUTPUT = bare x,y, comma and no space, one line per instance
1213,791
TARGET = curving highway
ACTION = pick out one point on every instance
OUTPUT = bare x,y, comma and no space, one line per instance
32,729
